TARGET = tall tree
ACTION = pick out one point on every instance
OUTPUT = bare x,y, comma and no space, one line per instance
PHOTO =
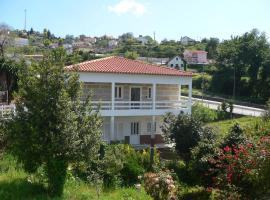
51,127
5,38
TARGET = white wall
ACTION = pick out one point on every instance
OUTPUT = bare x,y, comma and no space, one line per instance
123,123
176,61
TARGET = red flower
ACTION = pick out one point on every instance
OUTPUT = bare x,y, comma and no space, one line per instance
227,149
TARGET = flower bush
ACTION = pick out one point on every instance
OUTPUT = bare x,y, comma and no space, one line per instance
243,170
160,185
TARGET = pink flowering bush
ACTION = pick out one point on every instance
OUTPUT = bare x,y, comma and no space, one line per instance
242,169
160,185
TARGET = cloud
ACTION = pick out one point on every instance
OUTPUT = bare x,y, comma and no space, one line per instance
128,6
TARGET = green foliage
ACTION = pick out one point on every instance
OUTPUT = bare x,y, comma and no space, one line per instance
266,114
235,137
202,82
206,149
119,164
184,130
203,113
16,184
131,55
245,56
51,126
131,171
225,110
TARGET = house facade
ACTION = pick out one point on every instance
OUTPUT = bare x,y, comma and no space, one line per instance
187,40
133,96
195,57
176,62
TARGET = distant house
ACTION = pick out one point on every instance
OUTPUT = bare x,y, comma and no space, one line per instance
68,48
142,39
91,40
112,43
53,45
157,61
21,42
176,62
195,57
187,40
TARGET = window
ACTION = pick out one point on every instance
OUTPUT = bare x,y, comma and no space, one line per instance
118,92
171,65
149,93
176,58
149,127
134,128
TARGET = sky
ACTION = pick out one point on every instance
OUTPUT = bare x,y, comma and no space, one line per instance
169,19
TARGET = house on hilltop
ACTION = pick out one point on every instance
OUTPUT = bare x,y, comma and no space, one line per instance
187,40
195,57
176,62
133,96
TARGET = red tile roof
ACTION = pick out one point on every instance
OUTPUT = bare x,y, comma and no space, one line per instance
122,65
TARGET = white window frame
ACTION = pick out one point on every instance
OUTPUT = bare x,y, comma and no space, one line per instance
116,95
147,96
135,128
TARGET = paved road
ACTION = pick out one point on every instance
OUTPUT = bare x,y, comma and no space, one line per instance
238,109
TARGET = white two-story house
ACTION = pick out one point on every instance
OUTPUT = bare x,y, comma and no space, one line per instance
133,96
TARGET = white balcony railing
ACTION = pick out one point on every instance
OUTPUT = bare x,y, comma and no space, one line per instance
6,111
142,105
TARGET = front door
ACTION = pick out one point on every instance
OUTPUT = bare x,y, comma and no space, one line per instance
134,133
135,95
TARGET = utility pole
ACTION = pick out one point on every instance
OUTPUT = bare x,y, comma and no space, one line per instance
25,19
154,36
203,84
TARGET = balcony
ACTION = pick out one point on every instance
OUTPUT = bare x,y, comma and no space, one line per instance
126,108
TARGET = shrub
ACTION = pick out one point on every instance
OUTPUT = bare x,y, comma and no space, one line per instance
206,149
184,130
131,171
202,81
235,137
225,110
160,185
203,113
266,114
51,126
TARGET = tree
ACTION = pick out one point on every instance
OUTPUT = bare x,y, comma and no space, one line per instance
131,55
5,38
52,128
243,60
184,130
211,47
9,70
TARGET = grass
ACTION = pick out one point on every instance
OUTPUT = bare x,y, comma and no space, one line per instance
225,125
14,185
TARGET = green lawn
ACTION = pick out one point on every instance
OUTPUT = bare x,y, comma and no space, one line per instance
224,125
14,185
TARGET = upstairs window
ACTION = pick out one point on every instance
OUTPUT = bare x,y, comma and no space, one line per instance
118,92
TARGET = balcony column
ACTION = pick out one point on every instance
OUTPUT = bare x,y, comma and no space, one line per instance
113,96
154,96
189,97
153,132
112,136
179,92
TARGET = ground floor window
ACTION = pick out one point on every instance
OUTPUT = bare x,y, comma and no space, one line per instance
134,128
149,127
